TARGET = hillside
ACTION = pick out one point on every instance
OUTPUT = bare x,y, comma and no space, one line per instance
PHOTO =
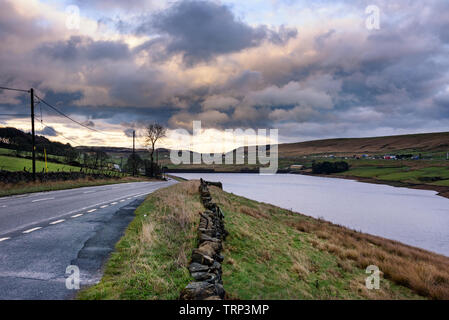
15,139
270,253
426,142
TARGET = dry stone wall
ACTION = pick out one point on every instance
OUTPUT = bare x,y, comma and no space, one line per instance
205,267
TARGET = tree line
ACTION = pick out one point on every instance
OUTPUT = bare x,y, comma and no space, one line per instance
89,157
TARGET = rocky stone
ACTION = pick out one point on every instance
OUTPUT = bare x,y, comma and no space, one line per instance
199,257
200,291
204,276
196,267
216,246
209,232
205,237
206,250
205,267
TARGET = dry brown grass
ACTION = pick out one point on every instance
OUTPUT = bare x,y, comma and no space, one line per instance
428,141
255,213
424,272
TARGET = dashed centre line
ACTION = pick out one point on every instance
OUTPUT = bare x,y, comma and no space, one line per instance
58,221
74,216
31,230
37,200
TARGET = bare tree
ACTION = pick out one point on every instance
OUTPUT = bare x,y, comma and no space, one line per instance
154,133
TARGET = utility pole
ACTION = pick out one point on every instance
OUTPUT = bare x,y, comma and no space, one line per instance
33,136
134,152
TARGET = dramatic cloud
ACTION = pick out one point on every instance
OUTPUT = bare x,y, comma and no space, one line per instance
48,131
201,30
85,48
311,69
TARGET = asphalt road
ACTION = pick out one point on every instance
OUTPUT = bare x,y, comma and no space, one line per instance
42,234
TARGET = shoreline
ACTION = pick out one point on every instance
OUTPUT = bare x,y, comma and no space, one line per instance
441,190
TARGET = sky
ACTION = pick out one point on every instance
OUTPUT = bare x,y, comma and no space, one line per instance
310,69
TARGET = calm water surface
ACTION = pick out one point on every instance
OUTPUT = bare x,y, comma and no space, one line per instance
416,217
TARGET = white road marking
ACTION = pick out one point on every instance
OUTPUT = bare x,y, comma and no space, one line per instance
77,215
154,187
92,210
3,239
37,200
90,191
3,206
129,198
56,222
31,230
114,203
105,206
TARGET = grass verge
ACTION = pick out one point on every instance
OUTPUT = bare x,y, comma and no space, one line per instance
30,187
271,253
150,260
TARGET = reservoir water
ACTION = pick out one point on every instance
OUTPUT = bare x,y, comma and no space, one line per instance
416,217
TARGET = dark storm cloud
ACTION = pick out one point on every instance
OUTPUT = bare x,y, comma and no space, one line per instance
84,48
48,131
129,132
200,30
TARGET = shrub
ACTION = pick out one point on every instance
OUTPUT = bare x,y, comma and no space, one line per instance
329,167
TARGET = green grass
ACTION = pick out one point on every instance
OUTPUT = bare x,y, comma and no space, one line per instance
4,151
17,164
150,260
270,253
443,183
266,258
426,175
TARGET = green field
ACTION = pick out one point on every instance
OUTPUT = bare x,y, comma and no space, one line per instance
4,151
17,164
427,175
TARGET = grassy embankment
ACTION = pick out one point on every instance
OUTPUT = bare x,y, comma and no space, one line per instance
270,253
30,187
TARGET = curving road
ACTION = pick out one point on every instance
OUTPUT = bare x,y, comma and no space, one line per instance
41,234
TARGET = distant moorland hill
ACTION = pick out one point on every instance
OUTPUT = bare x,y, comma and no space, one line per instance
419,142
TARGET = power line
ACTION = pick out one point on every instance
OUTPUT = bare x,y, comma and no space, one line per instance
15,89
58,133
64,115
